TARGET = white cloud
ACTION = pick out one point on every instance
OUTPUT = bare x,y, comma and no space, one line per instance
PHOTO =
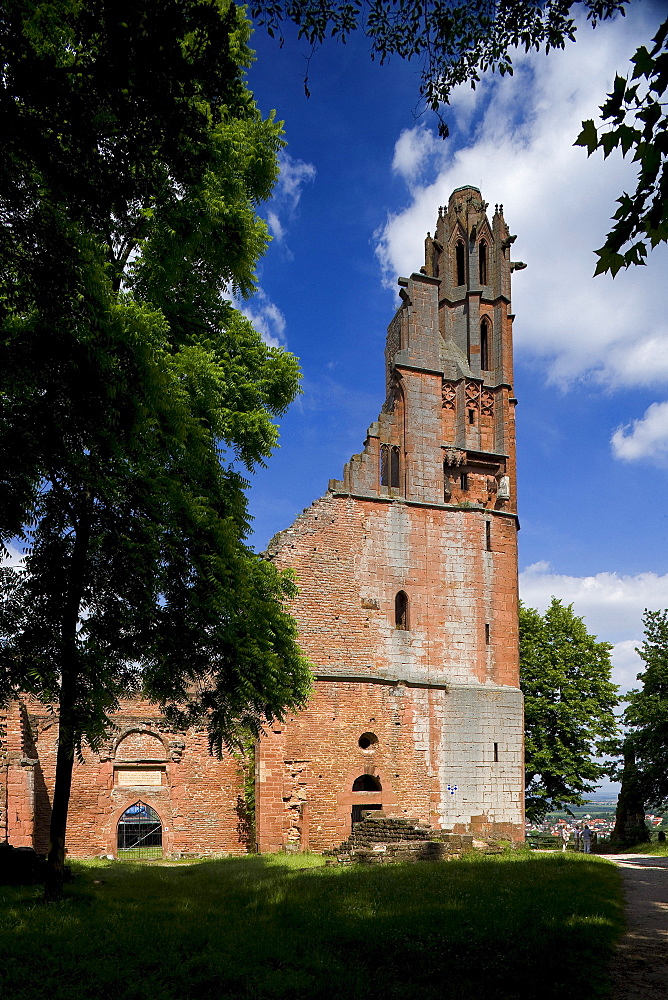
521,154
275,227
266,317
413,150
626,664
294,175
644,438
13,560
611,604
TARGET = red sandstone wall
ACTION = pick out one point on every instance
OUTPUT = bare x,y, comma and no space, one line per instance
459,706
434,760
196,798
352,555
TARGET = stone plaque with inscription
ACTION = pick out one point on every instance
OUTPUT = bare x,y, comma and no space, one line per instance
134,776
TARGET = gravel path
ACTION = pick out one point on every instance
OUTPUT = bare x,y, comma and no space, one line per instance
640,967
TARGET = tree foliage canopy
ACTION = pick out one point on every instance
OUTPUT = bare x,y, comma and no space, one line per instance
569,703
637,123
132,395
646,714
456,41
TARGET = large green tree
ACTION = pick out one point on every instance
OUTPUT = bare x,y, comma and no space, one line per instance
644,773
456,41
569,703
132,395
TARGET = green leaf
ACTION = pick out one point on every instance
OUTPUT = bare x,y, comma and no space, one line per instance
588,137
609,141
643,63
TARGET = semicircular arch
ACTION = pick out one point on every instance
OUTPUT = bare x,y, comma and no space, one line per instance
136,743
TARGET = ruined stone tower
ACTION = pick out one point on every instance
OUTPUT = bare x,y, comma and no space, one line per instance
407,570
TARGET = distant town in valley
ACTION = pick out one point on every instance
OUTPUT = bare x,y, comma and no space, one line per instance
598,814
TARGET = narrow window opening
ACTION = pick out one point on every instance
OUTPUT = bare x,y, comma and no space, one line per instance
487,633
389,466
401,610
394,468
496,753
484,345
460,264
488,535
471,416
482,261
384,465
447,492
463,480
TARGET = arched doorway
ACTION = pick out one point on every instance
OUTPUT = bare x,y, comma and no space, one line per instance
366,783
139,833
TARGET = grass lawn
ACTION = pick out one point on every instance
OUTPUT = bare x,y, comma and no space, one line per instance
498,928
140,853
659,850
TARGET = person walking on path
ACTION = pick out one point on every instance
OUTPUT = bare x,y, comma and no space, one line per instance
586,840
565,837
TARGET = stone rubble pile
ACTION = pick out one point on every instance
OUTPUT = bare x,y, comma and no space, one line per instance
380,839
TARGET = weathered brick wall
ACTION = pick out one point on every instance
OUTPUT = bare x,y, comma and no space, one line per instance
351,557
439,697
4,769
22,779
195,795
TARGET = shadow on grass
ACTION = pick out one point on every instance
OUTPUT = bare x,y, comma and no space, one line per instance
266,927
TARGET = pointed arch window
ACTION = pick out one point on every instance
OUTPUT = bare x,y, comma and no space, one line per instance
401,610
482,262
485,345
460,263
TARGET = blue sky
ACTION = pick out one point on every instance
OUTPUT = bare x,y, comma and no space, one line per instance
363,176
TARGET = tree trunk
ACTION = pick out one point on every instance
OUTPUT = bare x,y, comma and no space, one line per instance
55,869
630,825
68,725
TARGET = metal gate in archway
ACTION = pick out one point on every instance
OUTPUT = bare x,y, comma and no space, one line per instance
139,833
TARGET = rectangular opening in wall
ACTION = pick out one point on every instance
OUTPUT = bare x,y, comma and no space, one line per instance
384,465
394,468
488,535
487,633
496,752
484,346
463,480
471,416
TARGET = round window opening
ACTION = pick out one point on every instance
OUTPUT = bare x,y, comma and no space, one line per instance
368,742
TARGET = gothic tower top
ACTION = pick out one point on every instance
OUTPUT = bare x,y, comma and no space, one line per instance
446,433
